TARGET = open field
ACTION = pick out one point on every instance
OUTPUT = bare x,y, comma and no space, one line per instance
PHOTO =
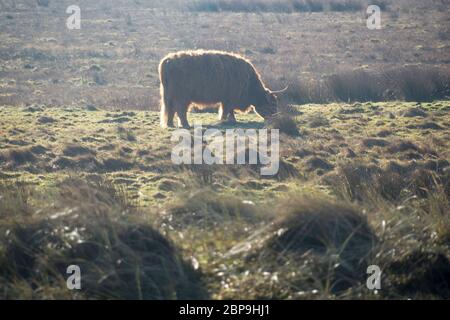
112,61
371,180
86,175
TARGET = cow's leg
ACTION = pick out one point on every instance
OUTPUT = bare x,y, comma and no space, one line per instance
167,113
167,118
182,115
222,114
231,118
170,116
183,121
226,113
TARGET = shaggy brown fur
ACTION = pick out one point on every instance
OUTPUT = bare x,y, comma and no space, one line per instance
211,78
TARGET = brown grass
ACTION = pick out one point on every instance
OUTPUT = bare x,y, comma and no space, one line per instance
332,59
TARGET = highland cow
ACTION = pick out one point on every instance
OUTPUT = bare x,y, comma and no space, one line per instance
206,78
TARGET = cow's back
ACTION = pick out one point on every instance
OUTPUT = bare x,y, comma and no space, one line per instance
205,76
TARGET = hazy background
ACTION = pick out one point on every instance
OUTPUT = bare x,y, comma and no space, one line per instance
112,61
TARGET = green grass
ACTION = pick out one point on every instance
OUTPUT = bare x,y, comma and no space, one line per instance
387,164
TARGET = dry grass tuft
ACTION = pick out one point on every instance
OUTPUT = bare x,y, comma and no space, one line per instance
120,255
208,208
322,224
422,274
332,236
285,123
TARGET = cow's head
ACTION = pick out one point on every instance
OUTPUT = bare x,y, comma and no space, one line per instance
268,106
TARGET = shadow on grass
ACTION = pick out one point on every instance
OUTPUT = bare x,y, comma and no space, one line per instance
235,125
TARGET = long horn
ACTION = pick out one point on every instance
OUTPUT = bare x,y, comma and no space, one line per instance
280,91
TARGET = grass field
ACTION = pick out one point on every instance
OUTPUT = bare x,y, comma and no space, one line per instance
385,165
86,175
112,61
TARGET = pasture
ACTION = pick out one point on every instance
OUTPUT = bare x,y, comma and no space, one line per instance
86,175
